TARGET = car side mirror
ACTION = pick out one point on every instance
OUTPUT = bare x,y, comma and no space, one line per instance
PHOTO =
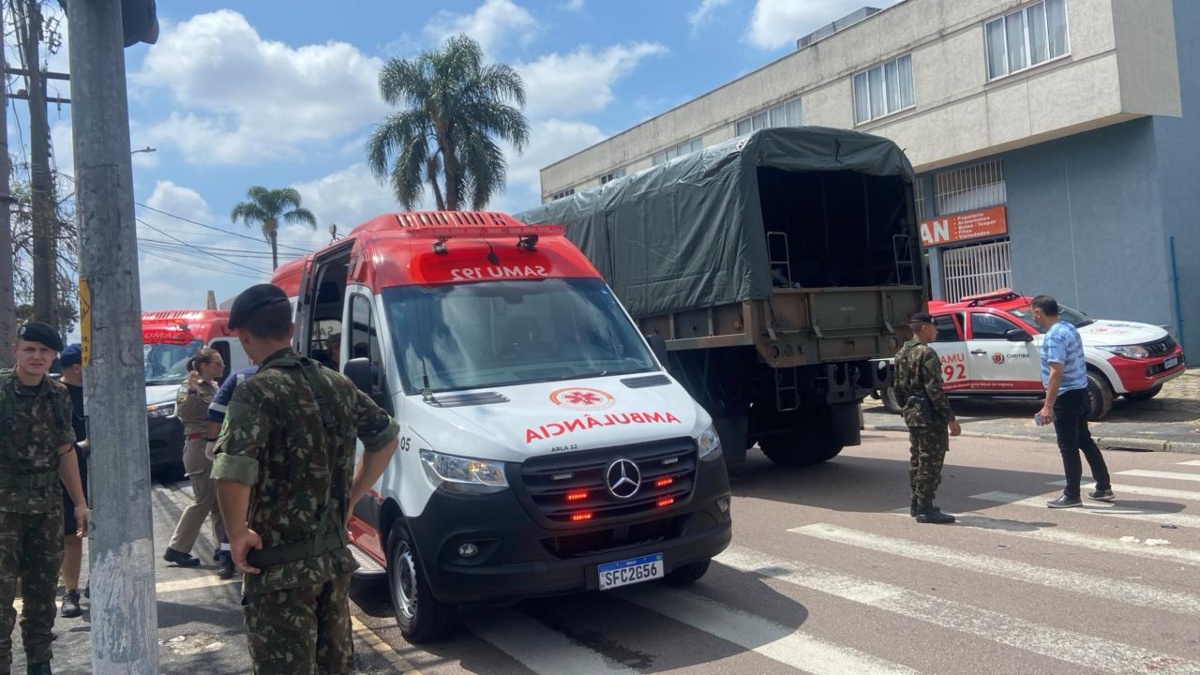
359,372
659,346
1018,335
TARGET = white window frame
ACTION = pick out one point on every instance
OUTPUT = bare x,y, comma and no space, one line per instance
970,188
686,147
612,175
1003,20
562,194
882,70
761,119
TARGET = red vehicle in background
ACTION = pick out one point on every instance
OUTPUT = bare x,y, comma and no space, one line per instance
988,345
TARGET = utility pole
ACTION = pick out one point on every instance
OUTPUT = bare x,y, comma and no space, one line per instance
124,609
45,231
8,303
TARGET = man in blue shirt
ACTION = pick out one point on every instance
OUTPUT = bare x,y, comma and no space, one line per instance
215,418
1064,375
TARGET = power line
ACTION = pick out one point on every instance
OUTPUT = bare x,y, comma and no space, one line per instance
296,249
229,262
231,252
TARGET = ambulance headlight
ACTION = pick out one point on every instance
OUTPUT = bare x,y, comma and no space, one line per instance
463,474
710,444
161,410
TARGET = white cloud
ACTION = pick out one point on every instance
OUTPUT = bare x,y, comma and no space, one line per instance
558,85
180,279
491,25
347,197
550,141
244,100
704,13
575,6
776,23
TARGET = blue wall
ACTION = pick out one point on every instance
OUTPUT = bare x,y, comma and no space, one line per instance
1178,146
1086,223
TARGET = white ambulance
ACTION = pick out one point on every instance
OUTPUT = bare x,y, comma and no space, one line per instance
544,448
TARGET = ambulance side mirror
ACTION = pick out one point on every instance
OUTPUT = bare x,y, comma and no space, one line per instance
1018,335
359,372
659,346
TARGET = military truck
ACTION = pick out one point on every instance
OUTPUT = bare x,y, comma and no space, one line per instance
776,270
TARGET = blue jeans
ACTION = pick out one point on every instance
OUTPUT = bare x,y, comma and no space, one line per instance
1071,428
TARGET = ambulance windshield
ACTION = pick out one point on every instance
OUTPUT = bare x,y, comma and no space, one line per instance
167,363
492,334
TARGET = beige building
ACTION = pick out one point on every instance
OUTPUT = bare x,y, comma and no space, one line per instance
1029,122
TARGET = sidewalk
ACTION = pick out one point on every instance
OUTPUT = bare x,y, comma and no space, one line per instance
1170,422
200,629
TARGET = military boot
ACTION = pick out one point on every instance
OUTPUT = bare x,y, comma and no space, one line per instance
928,513
912,508
39,669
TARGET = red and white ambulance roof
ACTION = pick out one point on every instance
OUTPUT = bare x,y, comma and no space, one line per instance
182,326
449,247
287,276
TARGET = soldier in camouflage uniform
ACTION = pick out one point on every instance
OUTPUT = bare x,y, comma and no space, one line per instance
37,451
283,469
928,416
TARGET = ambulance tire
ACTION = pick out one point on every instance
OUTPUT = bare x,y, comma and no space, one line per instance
421,617
688,574
1145,394
1100,396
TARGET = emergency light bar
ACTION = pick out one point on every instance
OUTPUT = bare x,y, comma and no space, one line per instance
483,232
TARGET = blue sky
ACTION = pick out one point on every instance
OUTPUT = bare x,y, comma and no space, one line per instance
284,93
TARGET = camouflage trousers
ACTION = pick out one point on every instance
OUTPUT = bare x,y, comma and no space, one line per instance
301,631
31,546
927,451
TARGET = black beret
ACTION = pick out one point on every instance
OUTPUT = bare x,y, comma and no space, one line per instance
36,331
252,300
921,317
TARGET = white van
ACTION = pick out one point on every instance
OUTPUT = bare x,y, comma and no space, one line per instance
544,448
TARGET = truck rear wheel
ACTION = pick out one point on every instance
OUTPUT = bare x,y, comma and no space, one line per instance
688,574
793,450
421,617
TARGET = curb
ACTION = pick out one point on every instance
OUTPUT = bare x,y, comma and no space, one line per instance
1141,444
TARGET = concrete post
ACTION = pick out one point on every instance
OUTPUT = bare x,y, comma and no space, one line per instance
121,565
8,303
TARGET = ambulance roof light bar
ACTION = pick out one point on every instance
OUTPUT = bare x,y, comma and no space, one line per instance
527,235
999,295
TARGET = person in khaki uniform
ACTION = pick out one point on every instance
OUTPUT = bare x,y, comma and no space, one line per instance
37,451
191,407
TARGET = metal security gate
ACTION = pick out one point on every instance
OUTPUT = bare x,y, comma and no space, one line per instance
980,268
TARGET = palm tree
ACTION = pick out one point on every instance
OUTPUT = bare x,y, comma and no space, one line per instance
455,108
267,208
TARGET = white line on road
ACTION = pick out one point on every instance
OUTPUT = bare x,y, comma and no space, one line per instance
1170,475
1057,535
1147,515
772,640
1120,490
1127,592
1090,652
1190,462
537,647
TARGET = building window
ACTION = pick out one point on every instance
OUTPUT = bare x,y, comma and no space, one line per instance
1026,38
783,115
565,193
969,188
884,90
919,198
677,151
612,175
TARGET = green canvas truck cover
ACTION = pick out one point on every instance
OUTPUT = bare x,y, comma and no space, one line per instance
688,234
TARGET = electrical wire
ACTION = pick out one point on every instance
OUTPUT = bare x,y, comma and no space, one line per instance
213,255
295,249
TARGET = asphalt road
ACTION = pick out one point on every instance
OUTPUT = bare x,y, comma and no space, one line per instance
827,574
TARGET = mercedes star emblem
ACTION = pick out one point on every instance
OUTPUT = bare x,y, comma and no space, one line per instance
623,478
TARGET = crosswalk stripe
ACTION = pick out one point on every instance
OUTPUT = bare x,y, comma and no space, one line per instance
772,640
1058,536
1190,462
1147,515
537,647
1144,491
1064,645
1169,475
1084,584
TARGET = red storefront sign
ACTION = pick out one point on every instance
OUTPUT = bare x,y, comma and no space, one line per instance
980,224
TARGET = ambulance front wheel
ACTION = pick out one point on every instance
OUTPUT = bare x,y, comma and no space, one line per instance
685,575
421,617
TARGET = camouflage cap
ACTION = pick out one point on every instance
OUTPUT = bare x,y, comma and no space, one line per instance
36,331
252,300
920,318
